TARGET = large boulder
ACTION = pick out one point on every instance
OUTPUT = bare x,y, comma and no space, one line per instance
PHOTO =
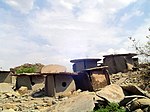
111,93
80,103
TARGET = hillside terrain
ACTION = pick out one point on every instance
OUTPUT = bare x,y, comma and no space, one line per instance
24,100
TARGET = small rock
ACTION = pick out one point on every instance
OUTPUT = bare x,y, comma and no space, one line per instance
54,102
23,90
79,90
8,95
138,110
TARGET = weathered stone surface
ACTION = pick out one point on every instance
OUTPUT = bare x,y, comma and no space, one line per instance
138,110
120,81
139,104
9,106
23,90
5,87
53,69
144,101
112,93
9,110
130,98
82,103
98,80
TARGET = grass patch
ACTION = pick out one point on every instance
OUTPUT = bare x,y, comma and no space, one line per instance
111,107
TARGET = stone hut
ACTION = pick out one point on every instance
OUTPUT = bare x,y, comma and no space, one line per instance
81,64
119,62
57,81
92,79
5,77
28,80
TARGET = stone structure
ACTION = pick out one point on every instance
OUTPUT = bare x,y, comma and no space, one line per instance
81,64
5,77
28,80
92,79
58,81
119,62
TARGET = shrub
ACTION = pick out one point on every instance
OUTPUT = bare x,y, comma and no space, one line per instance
111,107
26,70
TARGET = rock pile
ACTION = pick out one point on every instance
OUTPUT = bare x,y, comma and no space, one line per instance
131,97
130,90
131,78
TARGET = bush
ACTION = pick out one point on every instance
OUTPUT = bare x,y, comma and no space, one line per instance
26,70
111,107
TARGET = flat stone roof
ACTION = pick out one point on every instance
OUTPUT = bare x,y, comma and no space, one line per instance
27,74
84,59
60,73
41,74
128,54
96,68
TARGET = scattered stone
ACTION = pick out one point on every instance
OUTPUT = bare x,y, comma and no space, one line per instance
128,99
139,104
39,93
120,81
9,106
9,110
138,110
111,93
79,90
135,90
23,90
5,87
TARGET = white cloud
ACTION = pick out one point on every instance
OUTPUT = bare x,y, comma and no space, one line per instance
69,28
142,31
23,6
130,15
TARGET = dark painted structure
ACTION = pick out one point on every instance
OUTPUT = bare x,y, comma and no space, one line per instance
81,64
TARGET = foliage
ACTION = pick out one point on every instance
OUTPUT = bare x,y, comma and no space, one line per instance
26,70
111,107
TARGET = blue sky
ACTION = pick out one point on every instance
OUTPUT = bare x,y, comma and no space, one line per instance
55,31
